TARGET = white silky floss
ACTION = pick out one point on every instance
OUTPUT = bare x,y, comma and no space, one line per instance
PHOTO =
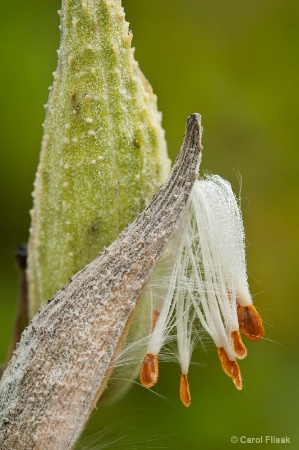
202,279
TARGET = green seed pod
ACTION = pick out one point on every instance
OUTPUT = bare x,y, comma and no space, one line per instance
103,152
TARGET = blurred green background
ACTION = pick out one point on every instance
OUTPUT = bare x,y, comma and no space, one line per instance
237,63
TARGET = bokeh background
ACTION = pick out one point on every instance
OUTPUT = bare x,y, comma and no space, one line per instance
237,63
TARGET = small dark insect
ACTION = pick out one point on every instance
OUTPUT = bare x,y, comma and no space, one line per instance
21,256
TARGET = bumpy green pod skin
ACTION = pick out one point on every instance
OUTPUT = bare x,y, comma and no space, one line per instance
103,152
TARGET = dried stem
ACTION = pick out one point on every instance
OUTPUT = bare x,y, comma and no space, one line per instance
21,318
65,356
